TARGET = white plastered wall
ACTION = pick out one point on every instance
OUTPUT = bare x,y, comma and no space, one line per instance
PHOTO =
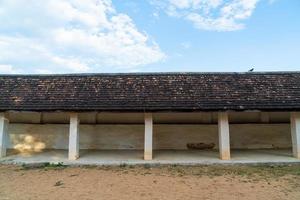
55,136
38,131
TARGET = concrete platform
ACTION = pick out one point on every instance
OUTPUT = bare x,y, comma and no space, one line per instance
132,157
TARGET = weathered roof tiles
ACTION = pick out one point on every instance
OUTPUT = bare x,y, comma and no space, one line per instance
151,92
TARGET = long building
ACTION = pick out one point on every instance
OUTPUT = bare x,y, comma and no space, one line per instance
151,115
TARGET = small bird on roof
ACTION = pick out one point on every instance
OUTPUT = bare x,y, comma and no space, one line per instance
251,70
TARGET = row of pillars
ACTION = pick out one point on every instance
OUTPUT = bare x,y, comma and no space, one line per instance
223,133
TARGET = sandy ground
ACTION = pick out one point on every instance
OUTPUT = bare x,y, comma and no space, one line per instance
144,182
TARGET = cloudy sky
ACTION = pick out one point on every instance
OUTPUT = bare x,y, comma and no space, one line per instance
76,36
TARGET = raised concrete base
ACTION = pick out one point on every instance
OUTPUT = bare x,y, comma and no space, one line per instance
132,157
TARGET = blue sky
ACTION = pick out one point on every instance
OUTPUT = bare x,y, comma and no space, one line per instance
72,36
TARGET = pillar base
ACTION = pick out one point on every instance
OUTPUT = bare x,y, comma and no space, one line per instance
148,156
296,155
225,155
73,157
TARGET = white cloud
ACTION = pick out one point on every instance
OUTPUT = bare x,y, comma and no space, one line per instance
71,36
43,71
214,15
186,45
8,69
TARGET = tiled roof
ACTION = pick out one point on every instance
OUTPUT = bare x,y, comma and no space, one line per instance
151,92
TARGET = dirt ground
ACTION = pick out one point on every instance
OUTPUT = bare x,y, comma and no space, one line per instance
145,182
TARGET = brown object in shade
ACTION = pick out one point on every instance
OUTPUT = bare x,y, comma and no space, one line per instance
200,146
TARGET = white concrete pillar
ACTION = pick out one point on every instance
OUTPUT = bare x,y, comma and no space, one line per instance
224,138
3,134
295,131
74,137
148,136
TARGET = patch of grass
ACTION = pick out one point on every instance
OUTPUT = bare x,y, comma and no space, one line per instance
89,166
123,165
147,166
45,166
253,172
54,165
263,171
